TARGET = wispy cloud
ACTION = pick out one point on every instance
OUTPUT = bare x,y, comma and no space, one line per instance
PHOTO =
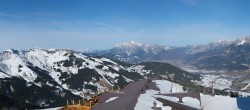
99,23
200,33
107,26
7,15
46,14
192,2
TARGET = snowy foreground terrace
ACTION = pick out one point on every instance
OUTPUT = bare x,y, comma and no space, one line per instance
162,95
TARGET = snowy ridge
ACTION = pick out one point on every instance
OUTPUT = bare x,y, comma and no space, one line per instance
129,44
242,40
218,44
207,47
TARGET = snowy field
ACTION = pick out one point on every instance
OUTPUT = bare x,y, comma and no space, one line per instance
244,94
146,100
220,81
218,103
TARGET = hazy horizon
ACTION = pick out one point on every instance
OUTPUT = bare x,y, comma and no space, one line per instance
100,25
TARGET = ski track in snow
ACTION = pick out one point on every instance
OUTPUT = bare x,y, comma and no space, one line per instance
111,99
246,86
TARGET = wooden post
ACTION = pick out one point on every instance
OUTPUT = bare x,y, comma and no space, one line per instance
154,105
180,99
79,102
73,102
213,93
118,89
67,102
90,103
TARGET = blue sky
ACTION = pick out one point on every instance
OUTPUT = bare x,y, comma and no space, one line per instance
101,24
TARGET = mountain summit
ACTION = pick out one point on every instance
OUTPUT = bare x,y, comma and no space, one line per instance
129,44
133,47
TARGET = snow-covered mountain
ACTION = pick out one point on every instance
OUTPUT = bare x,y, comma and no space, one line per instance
233,55
220,55
207,47
66,73
47,78
134,52
132,47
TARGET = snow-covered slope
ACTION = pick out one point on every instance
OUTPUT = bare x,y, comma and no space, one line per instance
56,63
55,75
146,100
218,103
220,82
64,73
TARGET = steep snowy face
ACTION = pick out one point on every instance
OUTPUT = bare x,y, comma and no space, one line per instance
12,64
242,41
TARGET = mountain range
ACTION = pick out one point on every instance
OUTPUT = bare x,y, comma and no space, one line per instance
42,78
221,55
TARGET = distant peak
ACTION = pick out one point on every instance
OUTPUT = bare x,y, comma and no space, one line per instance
52,49
223,41
129,44
9,50
242,40
12,50
37,48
